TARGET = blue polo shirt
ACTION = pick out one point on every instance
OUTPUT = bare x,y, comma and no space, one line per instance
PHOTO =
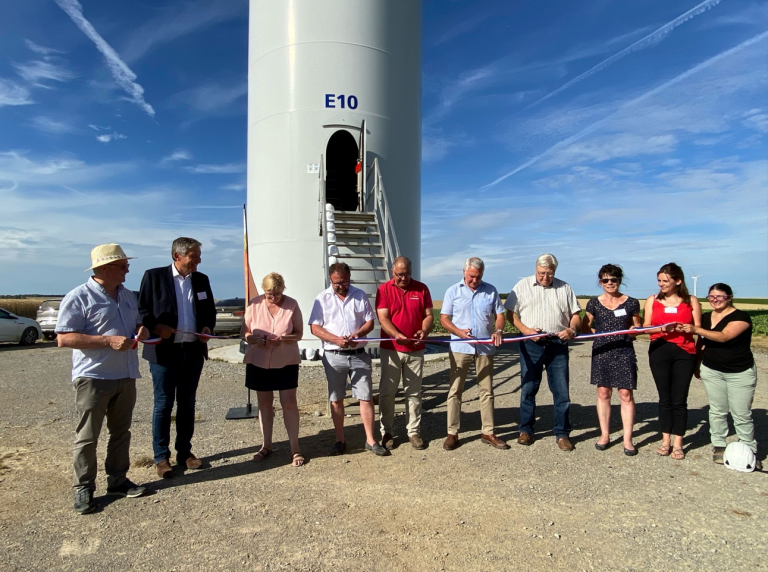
88,309
476,310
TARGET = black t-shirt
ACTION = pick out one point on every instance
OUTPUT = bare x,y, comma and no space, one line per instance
733,356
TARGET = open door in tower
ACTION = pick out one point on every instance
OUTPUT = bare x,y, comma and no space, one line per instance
341,179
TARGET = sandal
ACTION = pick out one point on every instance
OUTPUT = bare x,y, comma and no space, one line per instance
664,450
262,454
298,460
678,454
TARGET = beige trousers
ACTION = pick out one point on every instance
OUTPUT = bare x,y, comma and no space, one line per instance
459,368
394,367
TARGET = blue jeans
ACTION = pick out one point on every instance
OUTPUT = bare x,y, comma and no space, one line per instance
175,382
551,355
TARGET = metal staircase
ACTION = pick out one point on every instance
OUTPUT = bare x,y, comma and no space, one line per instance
364,239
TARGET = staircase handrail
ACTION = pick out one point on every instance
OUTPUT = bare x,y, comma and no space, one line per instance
382,210
323,222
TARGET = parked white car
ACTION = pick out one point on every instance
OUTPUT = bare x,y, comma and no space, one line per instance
14,328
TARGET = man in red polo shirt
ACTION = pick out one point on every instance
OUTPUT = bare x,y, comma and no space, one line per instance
404,308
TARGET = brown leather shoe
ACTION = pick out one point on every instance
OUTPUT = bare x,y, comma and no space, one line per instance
494,441
525,439
451,442
164,470
565,444
417,442
193,462
388,442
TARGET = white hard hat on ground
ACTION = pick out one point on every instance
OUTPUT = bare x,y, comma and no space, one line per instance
739,457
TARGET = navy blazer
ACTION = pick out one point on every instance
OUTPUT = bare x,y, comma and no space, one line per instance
157,305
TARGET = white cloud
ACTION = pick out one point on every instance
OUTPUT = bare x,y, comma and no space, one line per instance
226,169
234,187
179,20
121,73
48,125
107,137
42,50
12,93
37,72
756,119
178,155
650,40
601,149
99,127
212,97
628,112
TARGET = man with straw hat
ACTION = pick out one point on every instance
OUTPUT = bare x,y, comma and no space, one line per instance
100,321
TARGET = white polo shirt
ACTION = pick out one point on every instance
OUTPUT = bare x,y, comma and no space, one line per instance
341,317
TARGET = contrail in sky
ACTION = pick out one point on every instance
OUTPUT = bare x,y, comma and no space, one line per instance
123,75
639,99
638,45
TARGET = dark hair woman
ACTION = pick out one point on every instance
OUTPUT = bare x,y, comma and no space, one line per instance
727,369
614,364
672,354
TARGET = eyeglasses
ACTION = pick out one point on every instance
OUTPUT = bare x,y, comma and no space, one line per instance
123,267
403,275
717,298
611,280
341,283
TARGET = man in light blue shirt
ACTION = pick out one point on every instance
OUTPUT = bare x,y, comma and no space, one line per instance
472,310
99,321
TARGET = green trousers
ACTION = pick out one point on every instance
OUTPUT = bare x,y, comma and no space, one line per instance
730,393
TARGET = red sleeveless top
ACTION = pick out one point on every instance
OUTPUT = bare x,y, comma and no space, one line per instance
664,315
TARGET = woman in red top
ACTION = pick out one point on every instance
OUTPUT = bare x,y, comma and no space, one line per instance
672,354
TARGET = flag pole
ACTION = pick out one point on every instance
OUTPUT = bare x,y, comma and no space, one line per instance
247,412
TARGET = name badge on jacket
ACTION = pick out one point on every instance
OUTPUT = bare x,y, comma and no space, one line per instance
202,296
620,312
670,310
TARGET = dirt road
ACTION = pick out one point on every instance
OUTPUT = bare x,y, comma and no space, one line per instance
474,509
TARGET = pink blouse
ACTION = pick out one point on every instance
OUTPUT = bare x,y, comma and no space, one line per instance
259,321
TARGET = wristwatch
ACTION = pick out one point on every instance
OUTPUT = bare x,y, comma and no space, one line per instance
499,331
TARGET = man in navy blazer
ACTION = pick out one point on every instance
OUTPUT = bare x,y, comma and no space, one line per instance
176,304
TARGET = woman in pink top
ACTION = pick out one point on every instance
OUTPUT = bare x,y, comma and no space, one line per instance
672,354
272,328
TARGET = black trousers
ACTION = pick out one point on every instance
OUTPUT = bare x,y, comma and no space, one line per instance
672,368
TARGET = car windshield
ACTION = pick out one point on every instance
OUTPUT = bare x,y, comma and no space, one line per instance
238,302
50,305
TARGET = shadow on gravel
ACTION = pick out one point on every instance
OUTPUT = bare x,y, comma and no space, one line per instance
313,446
8,347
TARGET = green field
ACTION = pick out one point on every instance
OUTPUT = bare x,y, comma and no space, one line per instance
759,323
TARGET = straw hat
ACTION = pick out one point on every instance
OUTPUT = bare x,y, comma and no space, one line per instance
106,254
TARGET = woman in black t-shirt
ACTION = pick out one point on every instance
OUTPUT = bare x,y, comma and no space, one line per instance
727,369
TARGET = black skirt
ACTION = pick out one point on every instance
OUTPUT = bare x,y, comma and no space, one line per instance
260,379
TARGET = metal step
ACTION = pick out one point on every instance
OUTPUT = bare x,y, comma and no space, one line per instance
361,226
377,282
363,245
356,215
356,234
368,256
368,269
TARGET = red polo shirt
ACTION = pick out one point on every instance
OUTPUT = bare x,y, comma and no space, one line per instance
406,310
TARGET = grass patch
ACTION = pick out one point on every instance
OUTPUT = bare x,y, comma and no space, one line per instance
144,462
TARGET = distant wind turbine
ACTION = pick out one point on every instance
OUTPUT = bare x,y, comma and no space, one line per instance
695,279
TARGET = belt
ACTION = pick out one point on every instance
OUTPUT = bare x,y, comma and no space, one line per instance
347,352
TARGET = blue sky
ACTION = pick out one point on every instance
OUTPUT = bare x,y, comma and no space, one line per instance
603,131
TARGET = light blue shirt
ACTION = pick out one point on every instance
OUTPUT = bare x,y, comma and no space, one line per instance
476,310
88,309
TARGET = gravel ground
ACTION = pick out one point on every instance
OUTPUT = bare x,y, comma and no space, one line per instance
473,509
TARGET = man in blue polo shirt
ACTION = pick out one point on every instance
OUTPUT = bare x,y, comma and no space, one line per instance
99,321
472,310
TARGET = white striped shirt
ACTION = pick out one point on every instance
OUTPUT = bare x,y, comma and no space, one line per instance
549,309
